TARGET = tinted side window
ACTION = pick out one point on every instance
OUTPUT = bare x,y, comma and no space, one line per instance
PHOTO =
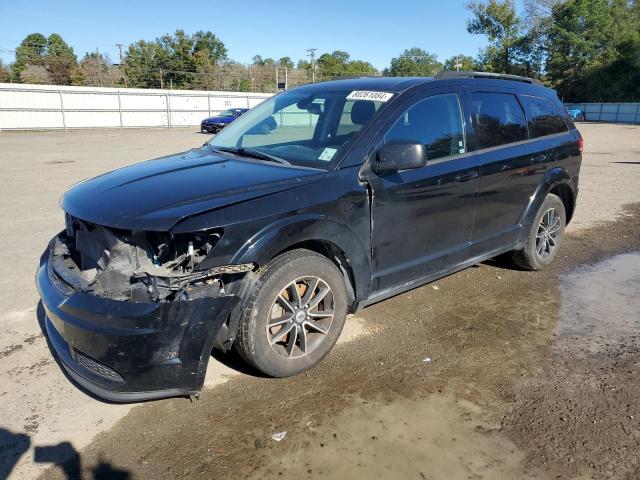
498,119
436,122
544,119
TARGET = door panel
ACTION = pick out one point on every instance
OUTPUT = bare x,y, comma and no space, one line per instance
510,167
508,177
422,218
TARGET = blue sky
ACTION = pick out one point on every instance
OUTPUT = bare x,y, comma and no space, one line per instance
371,30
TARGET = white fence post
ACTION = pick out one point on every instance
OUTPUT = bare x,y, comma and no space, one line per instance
168,110
64,120
120,111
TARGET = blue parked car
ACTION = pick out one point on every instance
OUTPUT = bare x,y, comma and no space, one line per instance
217,123
576,114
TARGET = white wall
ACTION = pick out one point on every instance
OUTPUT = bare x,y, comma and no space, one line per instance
35,107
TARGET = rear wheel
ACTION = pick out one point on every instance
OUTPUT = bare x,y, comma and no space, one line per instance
544,237
295,314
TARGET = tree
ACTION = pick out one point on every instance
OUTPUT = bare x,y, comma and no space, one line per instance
35,74
177,59
285,62
339,63
499,21
414,62
461,62
6,74
619,81
31,51
60,60
581,36
96,70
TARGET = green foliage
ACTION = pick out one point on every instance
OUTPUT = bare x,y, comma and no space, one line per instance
587,42
414,62
465,62
60,61
31,51
499,21
339,63
285,62
54,59
173,59
586,49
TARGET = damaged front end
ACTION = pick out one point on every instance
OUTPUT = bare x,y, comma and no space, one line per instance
139,266
133,315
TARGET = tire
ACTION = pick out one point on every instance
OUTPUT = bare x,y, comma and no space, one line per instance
541,249
274,350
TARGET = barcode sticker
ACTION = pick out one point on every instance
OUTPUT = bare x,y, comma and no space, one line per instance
370,95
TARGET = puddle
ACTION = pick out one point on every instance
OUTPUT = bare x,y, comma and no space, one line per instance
433,437
600,310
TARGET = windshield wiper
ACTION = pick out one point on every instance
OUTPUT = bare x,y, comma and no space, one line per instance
250,152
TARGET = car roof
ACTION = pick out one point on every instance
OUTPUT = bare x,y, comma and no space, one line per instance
387,84
401,84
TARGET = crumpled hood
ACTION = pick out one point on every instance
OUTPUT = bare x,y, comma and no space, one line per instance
156,194
218,119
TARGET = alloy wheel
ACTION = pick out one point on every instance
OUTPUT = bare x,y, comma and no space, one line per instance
300,317
548,233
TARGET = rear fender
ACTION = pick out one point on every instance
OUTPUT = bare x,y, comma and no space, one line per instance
554,177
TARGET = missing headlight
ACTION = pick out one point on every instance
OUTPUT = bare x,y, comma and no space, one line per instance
140,266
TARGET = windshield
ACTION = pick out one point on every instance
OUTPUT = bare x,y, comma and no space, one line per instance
227,113
301,128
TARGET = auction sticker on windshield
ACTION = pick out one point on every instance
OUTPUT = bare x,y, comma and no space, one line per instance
370,95
327,154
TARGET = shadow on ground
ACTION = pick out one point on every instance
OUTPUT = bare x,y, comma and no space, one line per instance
63,455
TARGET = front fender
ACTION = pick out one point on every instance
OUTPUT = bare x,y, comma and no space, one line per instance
288,232
554,177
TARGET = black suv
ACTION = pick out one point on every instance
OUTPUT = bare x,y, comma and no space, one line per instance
364,189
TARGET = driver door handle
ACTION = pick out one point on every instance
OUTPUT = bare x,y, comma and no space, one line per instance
465,177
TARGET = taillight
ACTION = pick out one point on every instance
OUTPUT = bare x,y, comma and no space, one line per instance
580,143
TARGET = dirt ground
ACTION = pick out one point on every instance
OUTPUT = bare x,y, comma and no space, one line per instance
496,373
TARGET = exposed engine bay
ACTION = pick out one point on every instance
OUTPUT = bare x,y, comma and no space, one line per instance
138,266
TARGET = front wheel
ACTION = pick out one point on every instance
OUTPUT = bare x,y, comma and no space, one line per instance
544,237
294,314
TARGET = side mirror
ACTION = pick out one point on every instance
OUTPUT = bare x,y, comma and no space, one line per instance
400,155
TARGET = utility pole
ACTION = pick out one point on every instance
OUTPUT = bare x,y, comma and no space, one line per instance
312,54
458,64
99,61
124,73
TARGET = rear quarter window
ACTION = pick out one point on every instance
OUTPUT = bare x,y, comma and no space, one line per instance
498,119
543,117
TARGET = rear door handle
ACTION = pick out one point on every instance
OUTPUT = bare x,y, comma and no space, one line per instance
465,177
539,158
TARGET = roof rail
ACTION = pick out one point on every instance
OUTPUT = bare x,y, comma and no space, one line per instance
444,74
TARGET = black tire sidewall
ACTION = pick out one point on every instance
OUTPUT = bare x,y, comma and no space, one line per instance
254,345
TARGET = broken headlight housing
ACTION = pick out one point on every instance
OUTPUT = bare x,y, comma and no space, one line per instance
139,266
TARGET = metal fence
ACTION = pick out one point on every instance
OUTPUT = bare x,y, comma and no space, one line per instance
609,112
43,107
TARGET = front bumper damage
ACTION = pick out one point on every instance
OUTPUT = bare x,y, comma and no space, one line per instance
132,349
212,127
